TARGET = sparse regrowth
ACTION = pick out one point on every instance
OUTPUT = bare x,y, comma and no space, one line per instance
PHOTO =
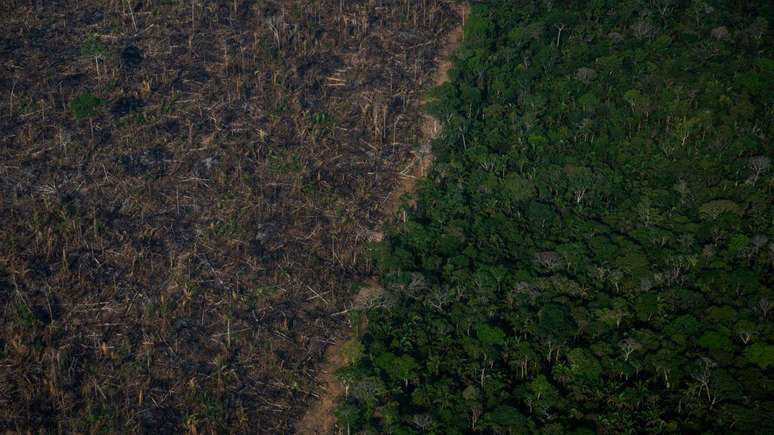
85,106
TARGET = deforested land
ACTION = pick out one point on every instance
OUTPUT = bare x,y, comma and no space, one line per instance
186,188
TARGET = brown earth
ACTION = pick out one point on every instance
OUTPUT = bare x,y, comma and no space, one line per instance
185,189
319,419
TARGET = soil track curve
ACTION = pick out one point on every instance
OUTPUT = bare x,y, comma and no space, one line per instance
319,418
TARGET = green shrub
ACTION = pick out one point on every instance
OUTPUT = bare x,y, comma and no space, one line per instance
85,106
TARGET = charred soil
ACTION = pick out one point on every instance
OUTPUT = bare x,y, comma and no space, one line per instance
185,190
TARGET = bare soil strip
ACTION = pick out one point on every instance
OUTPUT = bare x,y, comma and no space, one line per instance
319,419
429,126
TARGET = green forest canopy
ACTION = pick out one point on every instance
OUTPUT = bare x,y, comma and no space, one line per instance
593,249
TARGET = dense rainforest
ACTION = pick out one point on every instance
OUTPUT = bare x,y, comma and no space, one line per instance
593,249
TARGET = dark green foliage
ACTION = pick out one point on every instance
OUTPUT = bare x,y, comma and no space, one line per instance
760,354
593,250
85,106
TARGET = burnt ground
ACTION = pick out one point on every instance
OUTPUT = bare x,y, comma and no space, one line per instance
185,193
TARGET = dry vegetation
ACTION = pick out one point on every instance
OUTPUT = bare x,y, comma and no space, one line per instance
178,255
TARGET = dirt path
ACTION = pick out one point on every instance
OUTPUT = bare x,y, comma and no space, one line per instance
319,419
430,126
